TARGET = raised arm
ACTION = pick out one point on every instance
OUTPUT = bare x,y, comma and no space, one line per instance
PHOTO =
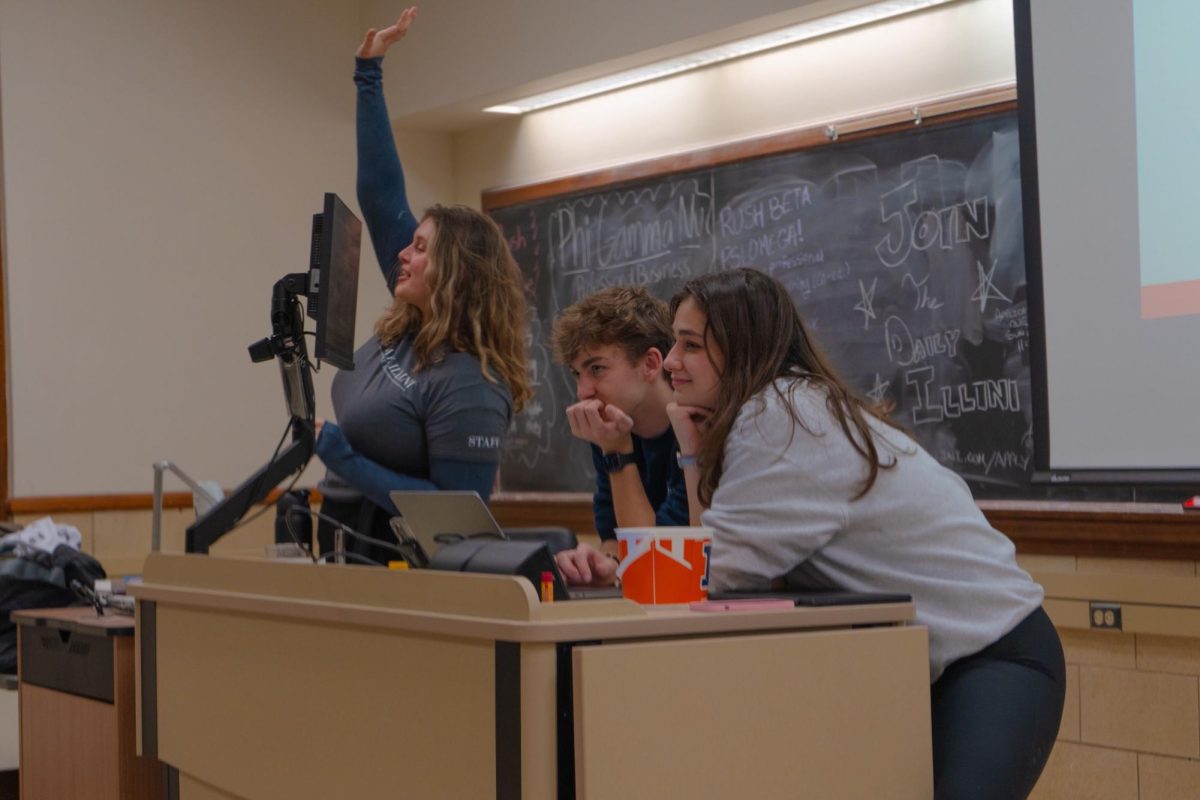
381,191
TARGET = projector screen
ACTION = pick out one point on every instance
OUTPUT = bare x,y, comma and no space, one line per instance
1110,152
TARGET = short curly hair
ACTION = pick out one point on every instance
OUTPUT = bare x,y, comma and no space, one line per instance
628,317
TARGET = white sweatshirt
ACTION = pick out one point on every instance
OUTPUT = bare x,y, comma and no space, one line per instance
784,507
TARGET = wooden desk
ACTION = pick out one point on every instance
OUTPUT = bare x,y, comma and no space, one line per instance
265,680
77,708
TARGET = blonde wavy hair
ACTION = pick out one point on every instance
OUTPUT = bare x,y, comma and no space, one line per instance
476,302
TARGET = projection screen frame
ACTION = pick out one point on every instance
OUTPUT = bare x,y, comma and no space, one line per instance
1043,473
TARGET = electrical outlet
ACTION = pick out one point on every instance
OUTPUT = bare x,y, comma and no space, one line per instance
1106,616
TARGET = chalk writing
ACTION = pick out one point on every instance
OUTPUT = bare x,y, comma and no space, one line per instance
757,249
910,228
796,260
988,460
754,213
904,349
902,253
934,404
640,274
921,288
620,229
803,284
758,227
1012,326
529,433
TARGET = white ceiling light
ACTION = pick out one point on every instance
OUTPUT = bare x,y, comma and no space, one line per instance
713,55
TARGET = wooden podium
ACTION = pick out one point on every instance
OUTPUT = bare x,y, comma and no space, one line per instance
261,680
77,708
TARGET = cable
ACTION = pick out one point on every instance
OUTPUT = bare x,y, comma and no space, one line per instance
366,537
267,506
87,594
372,540
287,524
352,556
315,366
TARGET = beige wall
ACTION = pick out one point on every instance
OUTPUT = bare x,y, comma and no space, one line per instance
467,55
162,163
946,50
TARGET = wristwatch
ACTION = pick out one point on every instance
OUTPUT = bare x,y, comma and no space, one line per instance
615,462
686,461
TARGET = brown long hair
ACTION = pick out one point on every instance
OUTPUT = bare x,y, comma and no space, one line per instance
754,323
476,304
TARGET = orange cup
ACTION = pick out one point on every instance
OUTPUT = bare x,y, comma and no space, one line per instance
664,565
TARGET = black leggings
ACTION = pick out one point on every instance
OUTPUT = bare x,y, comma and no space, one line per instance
996,715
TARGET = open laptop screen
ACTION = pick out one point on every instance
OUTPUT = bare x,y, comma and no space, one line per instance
434,519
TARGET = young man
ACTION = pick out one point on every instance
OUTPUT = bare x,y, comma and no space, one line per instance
614,342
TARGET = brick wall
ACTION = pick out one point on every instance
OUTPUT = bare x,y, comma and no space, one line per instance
1131,723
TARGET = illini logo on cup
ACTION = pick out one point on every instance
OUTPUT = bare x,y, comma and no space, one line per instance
664,565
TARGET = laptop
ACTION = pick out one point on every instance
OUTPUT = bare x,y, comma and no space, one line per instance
818,597
431,520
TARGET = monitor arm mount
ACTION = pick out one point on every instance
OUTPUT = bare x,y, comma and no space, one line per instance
286,345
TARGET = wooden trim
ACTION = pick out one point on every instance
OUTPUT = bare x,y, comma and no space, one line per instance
531,510
953,108
82,504
1112,530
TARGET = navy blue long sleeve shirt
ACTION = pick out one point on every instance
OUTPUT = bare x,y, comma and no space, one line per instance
383,199
662,480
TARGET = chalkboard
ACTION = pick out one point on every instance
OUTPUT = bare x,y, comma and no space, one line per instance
903,251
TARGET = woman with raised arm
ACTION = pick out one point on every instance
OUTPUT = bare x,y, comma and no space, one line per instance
806,485
432,392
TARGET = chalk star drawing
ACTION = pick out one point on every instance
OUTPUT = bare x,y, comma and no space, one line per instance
987,289
879,390
867,304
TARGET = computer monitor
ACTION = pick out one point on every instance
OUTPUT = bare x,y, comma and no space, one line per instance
333,281
331,286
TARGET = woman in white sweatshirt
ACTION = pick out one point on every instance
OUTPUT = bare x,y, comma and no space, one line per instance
805,484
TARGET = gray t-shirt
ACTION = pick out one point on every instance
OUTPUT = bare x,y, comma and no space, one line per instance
401,418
